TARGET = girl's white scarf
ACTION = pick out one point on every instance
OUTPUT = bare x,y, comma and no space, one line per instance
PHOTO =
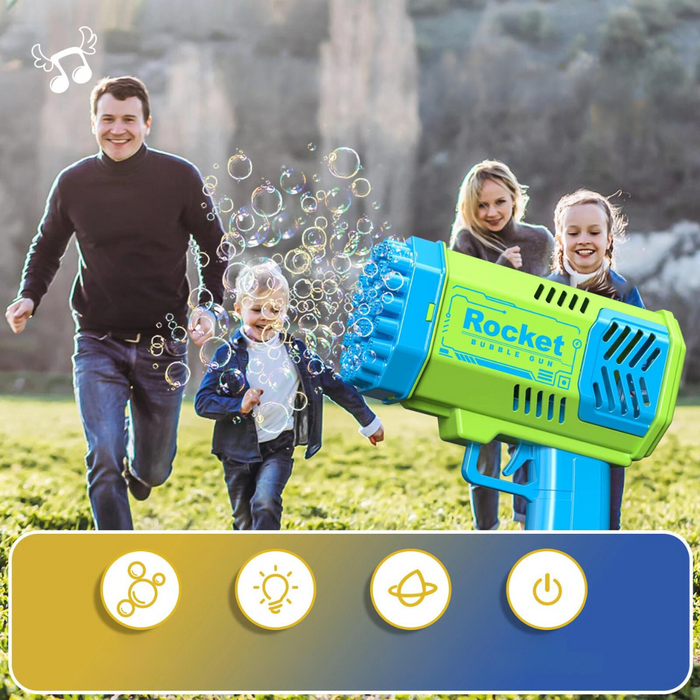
578,278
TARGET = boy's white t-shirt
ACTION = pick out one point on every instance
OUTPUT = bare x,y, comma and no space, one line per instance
270,369
270,362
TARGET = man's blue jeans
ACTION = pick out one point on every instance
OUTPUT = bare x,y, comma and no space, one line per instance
110,375
255,488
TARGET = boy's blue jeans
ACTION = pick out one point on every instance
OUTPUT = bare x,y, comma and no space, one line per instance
110,375
255,488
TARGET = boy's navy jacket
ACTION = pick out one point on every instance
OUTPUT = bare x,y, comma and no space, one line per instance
238,440
626,292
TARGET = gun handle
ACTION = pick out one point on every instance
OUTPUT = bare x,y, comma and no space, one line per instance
471,473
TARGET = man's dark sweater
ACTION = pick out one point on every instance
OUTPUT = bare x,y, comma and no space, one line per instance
132,220
536,247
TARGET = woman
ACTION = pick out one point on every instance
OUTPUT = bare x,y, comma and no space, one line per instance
489,225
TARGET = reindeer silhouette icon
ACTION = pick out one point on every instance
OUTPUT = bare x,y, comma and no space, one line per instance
81,74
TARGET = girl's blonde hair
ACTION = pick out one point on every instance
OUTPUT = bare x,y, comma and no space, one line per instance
467,210
617,223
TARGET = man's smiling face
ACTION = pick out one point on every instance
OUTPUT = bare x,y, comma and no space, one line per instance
119,126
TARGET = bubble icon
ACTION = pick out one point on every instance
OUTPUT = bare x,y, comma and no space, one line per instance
140,590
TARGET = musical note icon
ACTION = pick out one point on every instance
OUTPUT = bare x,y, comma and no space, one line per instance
81,74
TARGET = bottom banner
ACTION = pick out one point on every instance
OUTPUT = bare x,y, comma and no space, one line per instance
361,612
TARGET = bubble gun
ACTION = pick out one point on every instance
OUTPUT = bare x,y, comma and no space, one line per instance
577,381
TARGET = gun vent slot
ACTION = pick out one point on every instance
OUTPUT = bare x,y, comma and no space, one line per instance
640,353
633,396
620,392
651,359
584,306
516,396
561,298
528,393
550,407
562,410
550,294
610,332
645,393
538,411
598,397
608,388
635,339
539,291
573,301
617,342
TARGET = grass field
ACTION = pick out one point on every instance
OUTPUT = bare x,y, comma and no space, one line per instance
411,481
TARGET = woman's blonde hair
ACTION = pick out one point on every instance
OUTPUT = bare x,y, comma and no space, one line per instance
467,210
616,221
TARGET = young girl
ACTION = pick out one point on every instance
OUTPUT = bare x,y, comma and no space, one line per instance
587,227
489,225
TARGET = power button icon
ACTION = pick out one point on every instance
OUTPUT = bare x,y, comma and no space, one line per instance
546,589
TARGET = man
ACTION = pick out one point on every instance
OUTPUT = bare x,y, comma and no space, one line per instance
132,210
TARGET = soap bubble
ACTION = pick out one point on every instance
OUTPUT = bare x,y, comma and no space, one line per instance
239,166
215,352
364,225
266,201
232,382
344,163
225,205
341,264
231,274
314,239
177,374
297,261
361,187
269,414
309,203
393,281
299,401
243,220
292,180
210,183
285,225
232,245
338,200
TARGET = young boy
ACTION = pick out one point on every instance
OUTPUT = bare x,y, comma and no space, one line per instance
266,396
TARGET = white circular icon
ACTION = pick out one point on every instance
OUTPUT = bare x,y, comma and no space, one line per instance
140,590
275,589
546,589
410,589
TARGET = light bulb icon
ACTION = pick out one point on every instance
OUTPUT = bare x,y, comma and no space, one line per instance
275,587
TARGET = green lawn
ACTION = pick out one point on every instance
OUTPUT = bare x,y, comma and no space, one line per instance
411,481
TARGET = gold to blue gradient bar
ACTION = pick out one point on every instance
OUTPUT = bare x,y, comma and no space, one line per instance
633,634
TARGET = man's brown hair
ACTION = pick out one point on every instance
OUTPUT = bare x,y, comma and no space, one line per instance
122,88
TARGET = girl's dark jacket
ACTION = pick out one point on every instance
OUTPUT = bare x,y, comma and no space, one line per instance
235,435
624,291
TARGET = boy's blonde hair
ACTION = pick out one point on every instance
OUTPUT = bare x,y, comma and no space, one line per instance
617,223
260,281
467,210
